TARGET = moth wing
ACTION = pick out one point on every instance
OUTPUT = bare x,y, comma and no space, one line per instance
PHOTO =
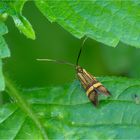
93,97
103,90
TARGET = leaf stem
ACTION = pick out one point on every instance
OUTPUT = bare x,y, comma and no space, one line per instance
14,93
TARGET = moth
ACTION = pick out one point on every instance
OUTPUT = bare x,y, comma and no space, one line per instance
90,84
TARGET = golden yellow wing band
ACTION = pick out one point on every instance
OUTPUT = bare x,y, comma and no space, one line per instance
89,90
97,85
92,87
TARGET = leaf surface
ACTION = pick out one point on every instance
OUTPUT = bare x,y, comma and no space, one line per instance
105,21
66,113
4,52
14,9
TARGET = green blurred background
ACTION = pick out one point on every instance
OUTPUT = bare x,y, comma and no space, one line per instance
52,41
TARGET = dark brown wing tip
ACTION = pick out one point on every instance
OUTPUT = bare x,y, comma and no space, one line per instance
103,90
95,103
108,93
93,97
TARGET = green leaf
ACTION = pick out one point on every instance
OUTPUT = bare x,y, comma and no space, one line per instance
105,21
14,9
24,26
66,113
25,107
3,28
2,82
4,52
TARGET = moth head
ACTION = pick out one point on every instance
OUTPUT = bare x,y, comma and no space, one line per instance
79,69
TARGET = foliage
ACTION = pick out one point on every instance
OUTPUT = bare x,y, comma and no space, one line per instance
102,21
59,112
106,21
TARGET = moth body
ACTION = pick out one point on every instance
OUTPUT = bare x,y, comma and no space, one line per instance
91,85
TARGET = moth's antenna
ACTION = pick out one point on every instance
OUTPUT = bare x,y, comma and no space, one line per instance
57,61
81,50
